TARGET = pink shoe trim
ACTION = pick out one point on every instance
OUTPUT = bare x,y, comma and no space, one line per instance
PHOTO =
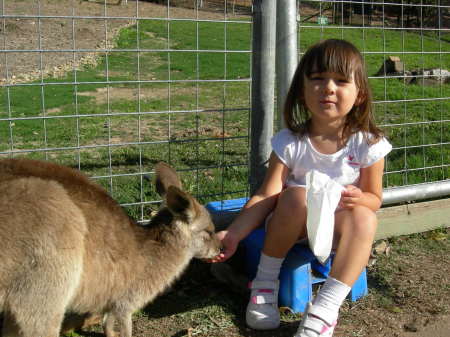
267,291
325,327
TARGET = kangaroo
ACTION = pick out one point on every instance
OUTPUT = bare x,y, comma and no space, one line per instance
68,247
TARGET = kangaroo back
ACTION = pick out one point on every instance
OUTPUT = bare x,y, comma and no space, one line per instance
42,254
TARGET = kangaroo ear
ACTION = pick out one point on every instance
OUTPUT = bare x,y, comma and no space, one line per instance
178,202
166,176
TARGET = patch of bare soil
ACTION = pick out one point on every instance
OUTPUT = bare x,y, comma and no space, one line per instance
52,37
438,328
103,95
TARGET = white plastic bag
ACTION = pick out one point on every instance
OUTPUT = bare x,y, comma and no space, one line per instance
322,197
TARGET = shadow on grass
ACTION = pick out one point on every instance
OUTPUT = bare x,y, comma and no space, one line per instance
378,282
195,290
128,160
134,160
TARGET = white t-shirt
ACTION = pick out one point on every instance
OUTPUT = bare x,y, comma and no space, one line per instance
343,166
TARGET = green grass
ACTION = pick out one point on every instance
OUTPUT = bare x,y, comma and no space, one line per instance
195,140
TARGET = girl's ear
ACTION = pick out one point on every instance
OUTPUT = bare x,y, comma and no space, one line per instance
360,98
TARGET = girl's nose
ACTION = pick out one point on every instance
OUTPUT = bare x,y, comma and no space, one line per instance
329,86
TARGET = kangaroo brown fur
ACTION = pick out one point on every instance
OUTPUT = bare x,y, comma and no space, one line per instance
68,247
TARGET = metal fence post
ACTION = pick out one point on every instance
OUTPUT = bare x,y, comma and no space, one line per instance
263,82
286,51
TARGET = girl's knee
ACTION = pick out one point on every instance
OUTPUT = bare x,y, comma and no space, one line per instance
293,197
291,206
360,220
365,213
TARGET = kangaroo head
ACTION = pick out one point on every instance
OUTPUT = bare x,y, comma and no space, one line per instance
187,212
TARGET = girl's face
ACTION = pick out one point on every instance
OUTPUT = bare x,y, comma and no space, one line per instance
329,96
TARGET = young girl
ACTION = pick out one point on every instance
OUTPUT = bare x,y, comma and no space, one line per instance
330,128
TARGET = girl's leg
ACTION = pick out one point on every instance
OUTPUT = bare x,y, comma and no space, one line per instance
354,234
287,224
283,230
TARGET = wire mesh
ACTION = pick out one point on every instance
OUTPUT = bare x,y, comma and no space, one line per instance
112,87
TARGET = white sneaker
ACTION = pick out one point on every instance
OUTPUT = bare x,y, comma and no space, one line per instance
313,326
262,309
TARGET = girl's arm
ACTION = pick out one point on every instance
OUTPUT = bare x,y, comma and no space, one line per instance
263,201
256,209
370,191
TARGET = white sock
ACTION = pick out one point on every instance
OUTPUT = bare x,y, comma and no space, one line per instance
268,268
330,298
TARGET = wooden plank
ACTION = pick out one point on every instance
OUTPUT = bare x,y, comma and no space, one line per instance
413,218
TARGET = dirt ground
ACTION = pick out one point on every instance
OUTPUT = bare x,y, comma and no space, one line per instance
409,291
438,329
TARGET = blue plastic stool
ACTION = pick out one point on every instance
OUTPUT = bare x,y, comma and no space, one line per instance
300,270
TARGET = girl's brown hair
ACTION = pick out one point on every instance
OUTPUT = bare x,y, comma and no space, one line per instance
337,56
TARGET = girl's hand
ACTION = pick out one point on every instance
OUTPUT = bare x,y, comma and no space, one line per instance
350,196
229,243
